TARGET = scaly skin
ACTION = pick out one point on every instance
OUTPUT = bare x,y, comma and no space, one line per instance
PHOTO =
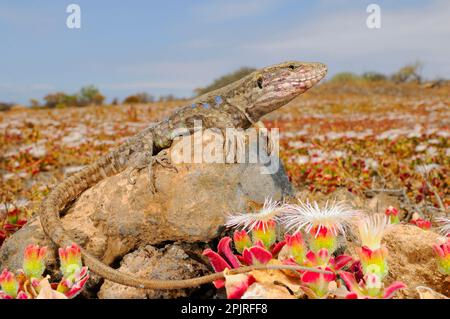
237,105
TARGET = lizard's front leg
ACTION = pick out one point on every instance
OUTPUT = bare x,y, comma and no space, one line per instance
146,159
163,159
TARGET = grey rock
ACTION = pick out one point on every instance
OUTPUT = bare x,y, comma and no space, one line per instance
169,263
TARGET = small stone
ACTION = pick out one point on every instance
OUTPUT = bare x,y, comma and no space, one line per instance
170,263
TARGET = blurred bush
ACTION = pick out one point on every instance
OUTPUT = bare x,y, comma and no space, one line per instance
352,78
60,100
167,98
139,98
374,77
89,95
408,73
34,103
225,80
146,98
5,106
132,99
345,77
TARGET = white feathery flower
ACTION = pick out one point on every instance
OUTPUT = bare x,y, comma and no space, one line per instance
270,211
335,216
371,230
445,228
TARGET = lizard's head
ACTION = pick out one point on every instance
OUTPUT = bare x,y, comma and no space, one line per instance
272,87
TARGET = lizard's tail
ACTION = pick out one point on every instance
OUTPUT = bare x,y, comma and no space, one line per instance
70,188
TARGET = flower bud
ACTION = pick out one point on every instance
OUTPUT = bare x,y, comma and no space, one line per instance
33,261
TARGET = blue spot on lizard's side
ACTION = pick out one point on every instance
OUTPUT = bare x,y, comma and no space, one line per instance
206,105
193,105
218,100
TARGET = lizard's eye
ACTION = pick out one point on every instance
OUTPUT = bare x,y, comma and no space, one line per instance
260,83
292,67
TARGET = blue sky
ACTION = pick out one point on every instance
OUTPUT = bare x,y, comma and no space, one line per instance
174,46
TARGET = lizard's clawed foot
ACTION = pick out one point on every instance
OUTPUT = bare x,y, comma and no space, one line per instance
162,158
131,179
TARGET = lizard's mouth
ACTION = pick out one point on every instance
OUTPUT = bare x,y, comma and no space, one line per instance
308,80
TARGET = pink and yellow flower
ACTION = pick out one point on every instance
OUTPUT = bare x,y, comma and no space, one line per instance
373,261
316,285
392,213
242,240
70,258
71,288
443,256
34,261
296,247
371,287
322,238
9,284
265,231
372,253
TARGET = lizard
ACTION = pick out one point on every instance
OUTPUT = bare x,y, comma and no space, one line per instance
238,105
